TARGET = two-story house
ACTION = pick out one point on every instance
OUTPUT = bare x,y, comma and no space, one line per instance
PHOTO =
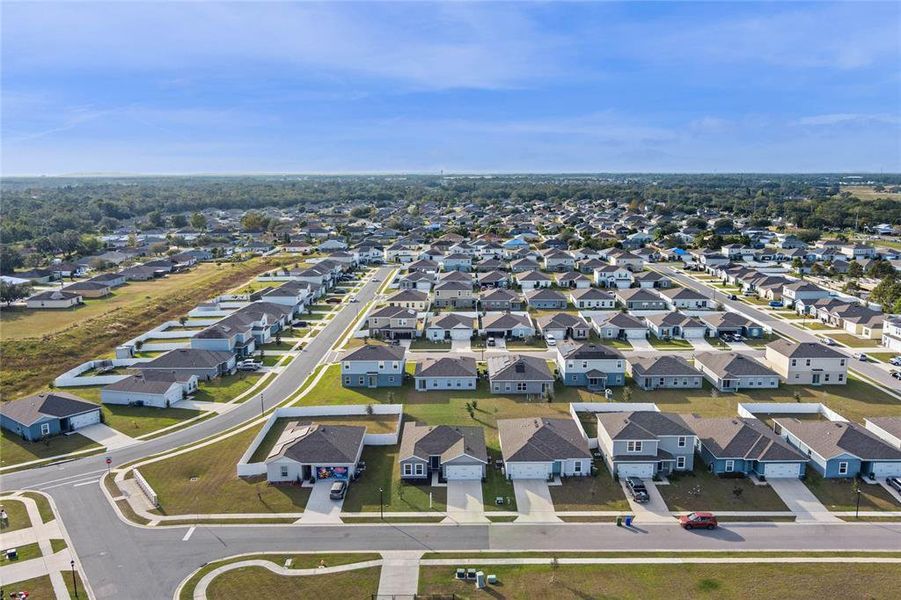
645,443
807,363
454,294
593,366
393,323
373,366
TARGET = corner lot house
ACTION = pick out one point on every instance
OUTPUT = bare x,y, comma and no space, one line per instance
588,365
43,415
373,366
311,451
54,299
541,448
744,445
664,372
807,363
519,374
446,373
159,389
205,364
730,371
838,450
453,452
645,443
393,323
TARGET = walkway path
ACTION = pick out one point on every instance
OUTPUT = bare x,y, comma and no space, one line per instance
400,574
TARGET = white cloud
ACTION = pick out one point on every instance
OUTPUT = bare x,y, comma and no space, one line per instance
849,119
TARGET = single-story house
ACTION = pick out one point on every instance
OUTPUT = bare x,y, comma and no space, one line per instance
500,300
205,364
640,299
667,371
541,448
159,389
676,325
645,443
54,299
519,374
731,371
497,279
446,373
531,280
592,298
679,297
573,279
507,325
312,451
719,323
50,413
454,452
89,289
622,326
450,326
564,325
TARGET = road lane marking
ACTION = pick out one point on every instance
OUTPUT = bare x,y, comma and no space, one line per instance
43,483
188,534
75,483
85,482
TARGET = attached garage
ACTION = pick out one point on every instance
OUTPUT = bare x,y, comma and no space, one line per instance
463,472
643,470
461,334
83,420
887,469
528,470
782,470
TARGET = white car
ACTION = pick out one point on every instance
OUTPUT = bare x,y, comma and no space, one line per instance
861,356
895,361
249,365
550,340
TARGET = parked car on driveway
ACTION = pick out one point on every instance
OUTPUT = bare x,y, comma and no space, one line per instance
249,365
894,483
637,490
550,340
861,356
490,342
698,520
339,488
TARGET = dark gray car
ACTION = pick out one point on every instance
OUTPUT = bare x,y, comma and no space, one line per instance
637,489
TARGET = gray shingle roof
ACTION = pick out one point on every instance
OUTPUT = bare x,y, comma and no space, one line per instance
642,425
661,366
518,367
588,351
446,366
541,439
376,352
803,350
319,444
446,441
743,438
828,439
732,364
32,409
187,358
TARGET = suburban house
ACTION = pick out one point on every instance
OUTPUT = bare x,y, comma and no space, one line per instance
293,294
457,262
640,299
744,446
455,294
676,325
719,323
546,299
645,443
609,276
508,325
446,373
891,333
622,326
233,335
519,374
730,371
495,279
413,299
842,449
558,260
807,363
89,289
888,429
393,323
54,299
313,451
679,297
531,280
543,448
452,452
652,279
50,413
803,291
591,298
159,389
373,366
450,326
525,265
500,300
204,364
667,371
593,366
417,280
564,326
573,279
623,258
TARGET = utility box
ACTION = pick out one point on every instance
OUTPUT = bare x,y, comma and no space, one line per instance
480,580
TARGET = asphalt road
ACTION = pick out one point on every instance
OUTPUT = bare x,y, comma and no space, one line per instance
869,369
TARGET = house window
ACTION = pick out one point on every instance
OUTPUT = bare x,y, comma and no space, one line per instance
408,469
577,466
680,462
633,446
730,466
347,381
361,380
794,362
284,470
841,377
807,363
346,365
842,468
390,378
45,428
681,441
381,365
420,469
521,386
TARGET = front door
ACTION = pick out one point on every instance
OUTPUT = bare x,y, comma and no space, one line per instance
816,379
306,472
372,380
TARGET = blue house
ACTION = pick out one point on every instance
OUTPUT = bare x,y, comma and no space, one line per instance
590,365
373,366
43,415
546,299
842,449
737,445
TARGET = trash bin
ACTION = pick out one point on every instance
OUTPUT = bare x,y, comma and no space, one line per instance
619,521
629,520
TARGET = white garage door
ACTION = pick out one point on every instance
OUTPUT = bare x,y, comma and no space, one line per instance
636,470
461,334
527,470
84,420
782,470
463,472
887,469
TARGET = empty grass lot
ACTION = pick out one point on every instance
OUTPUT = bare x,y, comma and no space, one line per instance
14,450
595,492
839,494
852,341
256,582
134,420
217,489
668,582
716,493
225,389
18,515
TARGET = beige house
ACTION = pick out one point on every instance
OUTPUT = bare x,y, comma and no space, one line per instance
413,299
807,363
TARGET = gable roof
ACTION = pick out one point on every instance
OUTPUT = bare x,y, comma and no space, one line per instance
518,367
376,352
319,444
446,366
742,438
541,439
661,366
803,349
31,409
642,425
732,364
446,441
830,438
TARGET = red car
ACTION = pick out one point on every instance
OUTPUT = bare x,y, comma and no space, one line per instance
698,520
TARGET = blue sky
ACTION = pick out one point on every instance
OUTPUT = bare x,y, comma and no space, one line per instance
387,87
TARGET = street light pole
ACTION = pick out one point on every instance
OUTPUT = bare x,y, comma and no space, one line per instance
74,581
382,504
262,409
857,508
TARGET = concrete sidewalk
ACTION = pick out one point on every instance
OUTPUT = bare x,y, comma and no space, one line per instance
49,563
400,574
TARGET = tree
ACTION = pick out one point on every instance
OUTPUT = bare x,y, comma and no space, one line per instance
10,259
253,221
178,221
155,219
855,270
10,292
198,221
158,247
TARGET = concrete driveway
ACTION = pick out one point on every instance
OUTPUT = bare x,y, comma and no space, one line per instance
654,510
641,344
701,344
801,501
461,345
464,502
533,501
107,436
320,508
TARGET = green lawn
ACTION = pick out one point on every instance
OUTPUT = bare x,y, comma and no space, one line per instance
217,488
18,515
225,389
596,492
57,545
618,344
816,325
134,420
39,587
670,344
669,582
26,552
839,494
44,507
282,345
422,343
882,356
532,343
702,490
496,485
761,341
383,471
852,341
270,360
14,450
256,582
717,343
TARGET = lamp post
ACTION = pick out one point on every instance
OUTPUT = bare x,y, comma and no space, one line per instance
382,504
74,581
262,409
857,508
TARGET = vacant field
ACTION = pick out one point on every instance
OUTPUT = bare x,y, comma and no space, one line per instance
701,490
669,582
256,582
14,450
866,192
39,345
